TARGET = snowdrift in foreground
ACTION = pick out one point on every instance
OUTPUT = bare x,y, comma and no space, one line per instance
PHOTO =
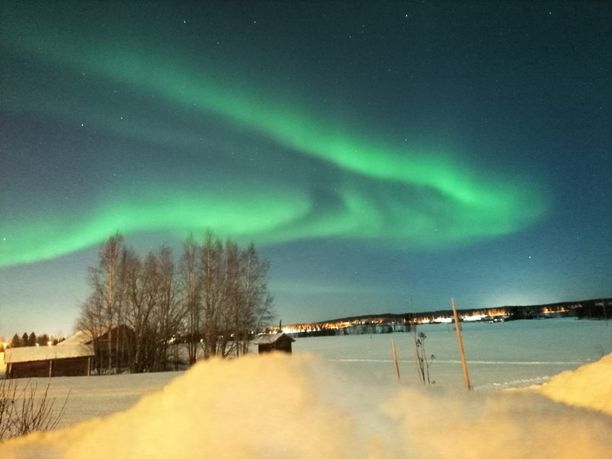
295,406
589,386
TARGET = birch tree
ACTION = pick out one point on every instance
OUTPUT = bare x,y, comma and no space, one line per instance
212,288
256,311
169,311
106,281
191,288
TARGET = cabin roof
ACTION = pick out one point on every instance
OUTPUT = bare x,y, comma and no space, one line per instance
80,337
270,339
41,353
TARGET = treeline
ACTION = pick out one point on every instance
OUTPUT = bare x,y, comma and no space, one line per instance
212,301
29,340
355,329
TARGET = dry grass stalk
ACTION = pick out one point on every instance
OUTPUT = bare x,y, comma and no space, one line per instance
25,409
423,363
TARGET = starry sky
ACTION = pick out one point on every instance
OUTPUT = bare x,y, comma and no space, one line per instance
383,156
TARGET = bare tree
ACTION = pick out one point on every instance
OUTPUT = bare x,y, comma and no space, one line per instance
236,298
212,287
231,301
169,311
91,320
256,311
139,281
106,280
217,299
191,295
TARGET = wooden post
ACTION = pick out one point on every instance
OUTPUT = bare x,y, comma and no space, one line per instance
466,374
395,359
50,367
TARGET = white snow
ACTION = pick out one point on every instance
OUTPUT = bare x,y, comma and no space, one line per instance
589,386
344,402
297,406
80,337
37,353
501,355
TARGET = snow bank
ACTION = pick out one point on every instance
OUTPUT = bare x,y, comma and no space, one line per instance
589,386
295,406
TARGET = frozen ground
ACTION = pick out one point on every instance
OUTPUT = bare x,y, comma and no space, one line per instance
301,407
506,355
500,355
338,397
94,396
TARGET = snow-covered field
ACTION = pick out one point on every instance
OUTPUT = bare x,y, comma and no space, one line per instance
338,397
500,355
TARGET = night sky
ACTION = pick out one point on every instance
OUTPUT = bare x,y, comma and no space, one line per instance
382,157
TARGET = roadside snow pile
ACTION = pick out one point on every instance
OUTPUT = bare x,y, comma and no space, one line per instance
589,386
295,406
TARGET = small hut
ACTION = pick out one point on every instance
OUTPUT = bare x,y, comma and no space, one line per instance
47,361
277,342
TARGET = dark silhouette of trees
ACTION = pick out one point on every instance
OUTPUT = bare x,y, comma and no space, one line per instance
16,341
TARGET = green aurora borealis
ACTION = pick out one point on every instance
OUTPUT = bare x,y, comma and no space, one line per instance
383,156
412,199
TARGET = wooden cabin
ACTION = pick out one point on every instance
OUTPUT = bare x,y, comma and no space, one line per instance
122,339
277,342
47,361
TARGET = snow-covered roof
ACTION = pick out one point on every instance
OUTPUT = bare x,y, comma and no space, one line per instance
80,337
269,339
38,353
